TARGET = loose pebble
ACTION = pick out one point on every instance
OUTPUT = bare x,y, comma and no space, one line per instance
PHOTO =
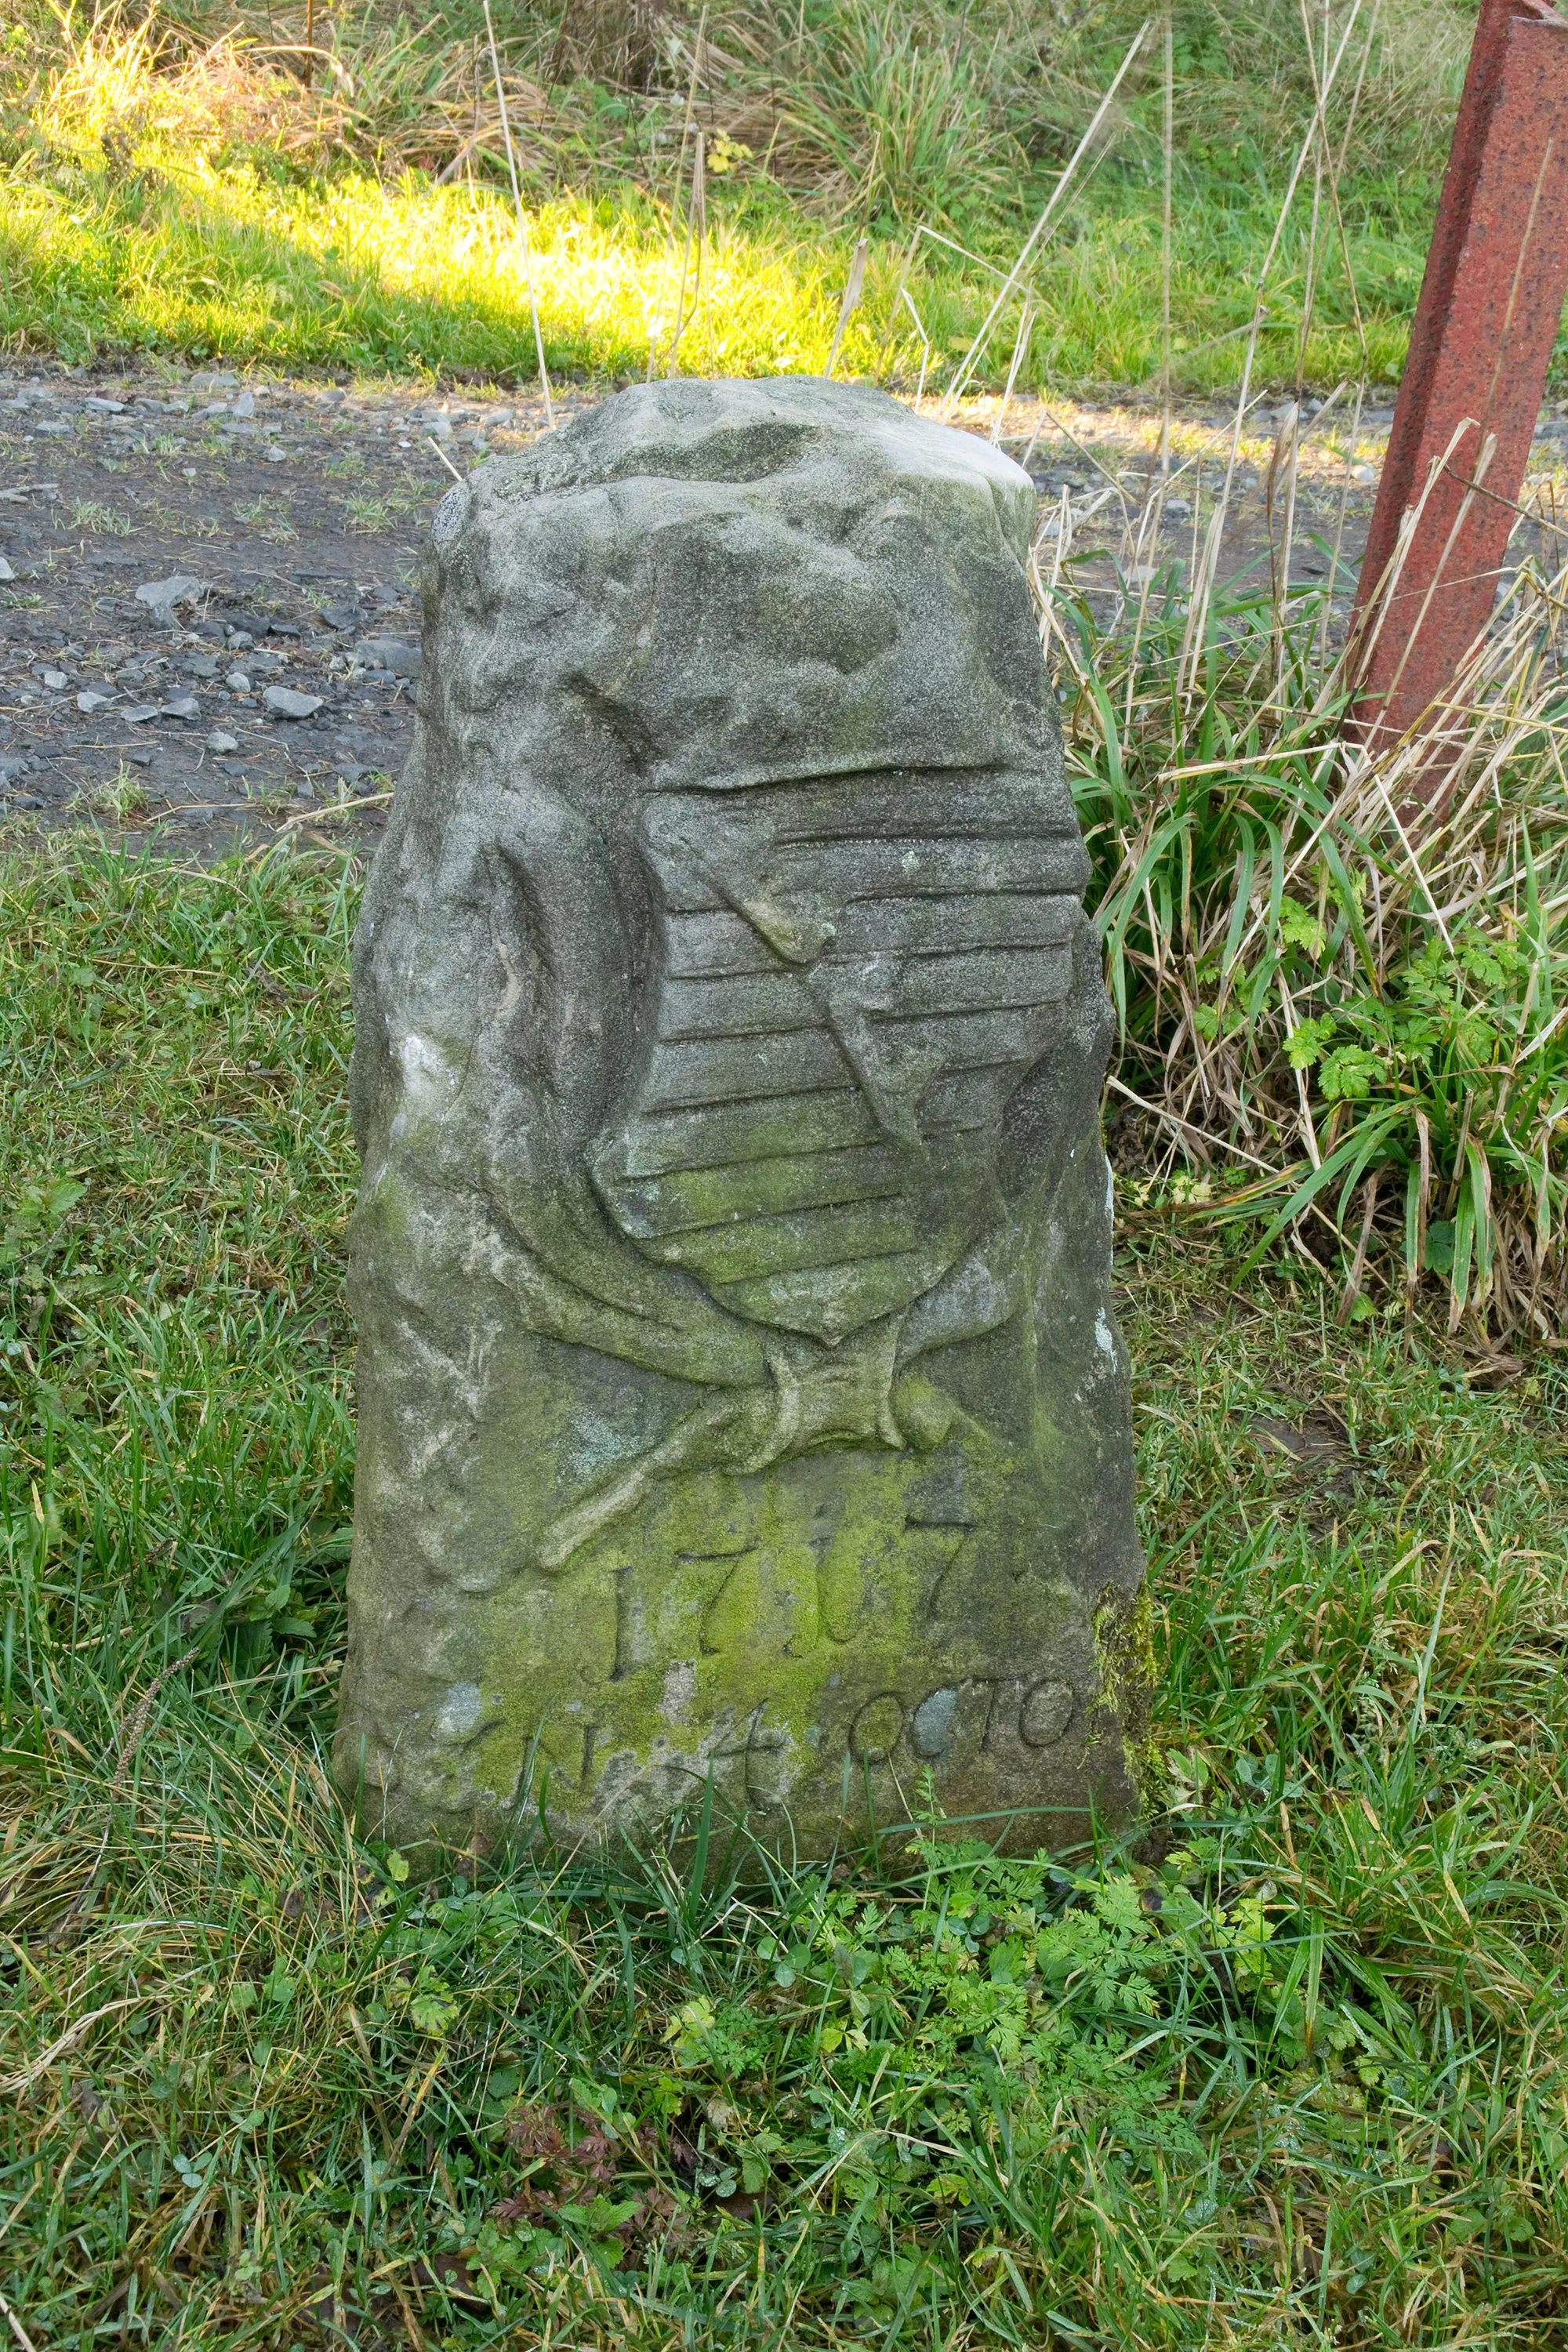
398,654
162,596
284,702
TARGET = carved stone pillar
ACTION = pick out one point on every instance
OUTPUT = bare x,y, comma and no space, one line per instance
739,1394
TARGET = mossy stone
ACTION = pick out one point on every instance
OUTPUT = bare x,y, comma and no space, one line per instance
740,1401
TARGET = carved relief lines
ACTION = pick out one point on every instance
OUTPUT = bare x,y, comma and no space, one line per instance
789,1180
745,1247
921,866
937,1006
934,934
840,1589
746,1065
899,985
762,1755
741,1075
815,1231
949,980
719,1626
630,1637
955,904
714,941
730,1135
958,921
759,1003
690,1608
944,1539
766,1603
969,803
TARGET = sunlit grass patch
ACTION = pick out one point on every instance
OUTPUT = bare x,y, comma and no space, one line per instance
351,272
228,260
368,512
184,190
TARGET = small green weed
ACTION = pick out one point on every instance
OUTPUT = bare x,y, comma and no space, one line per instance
370,512
123,794
266,518
88,515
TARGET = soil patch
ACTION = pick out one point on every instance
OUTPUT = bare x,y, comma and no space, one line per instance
208,627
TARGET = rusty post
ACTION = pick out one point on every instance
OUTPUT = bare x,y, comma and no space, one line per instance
1491,301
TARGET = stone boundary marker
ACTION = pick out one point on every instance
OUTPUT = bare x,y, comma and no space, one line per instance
741,1400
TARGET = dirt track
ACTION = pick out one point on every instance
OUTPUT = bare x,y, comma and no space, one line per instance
292,515
288,519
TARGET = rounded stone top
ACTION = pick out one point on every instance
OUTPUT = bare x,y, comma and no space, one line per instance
740,430
736,582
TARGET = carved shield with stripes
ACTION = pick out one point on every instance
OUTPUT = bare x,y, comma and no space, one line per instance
852,975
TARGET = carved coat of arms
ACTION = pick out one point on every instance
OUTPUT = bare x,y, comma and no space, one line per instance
784,924
852,975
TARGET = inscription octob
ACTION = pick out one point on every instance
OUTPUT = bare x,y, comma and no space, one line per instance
740,1398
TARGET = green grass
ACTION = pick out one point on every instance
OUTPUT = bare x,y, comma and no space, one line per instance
347,273
223,213
1292,2071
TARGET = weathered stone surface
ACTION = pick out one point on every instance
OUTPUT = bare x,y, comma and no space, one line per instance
739,1394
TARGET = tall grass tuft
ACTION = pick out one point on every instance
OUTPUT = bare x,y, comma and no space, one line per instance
891,106
1344,994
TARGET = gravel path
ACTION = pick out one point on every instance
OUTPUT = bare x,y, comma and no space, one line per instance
207,627
208,633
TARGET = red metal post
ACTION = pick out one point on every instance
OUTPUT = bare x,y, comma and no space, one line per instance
1491,301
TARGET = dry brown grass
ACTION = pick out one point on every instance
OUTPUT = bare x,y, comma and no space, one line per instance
898,109
122,90
116,85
